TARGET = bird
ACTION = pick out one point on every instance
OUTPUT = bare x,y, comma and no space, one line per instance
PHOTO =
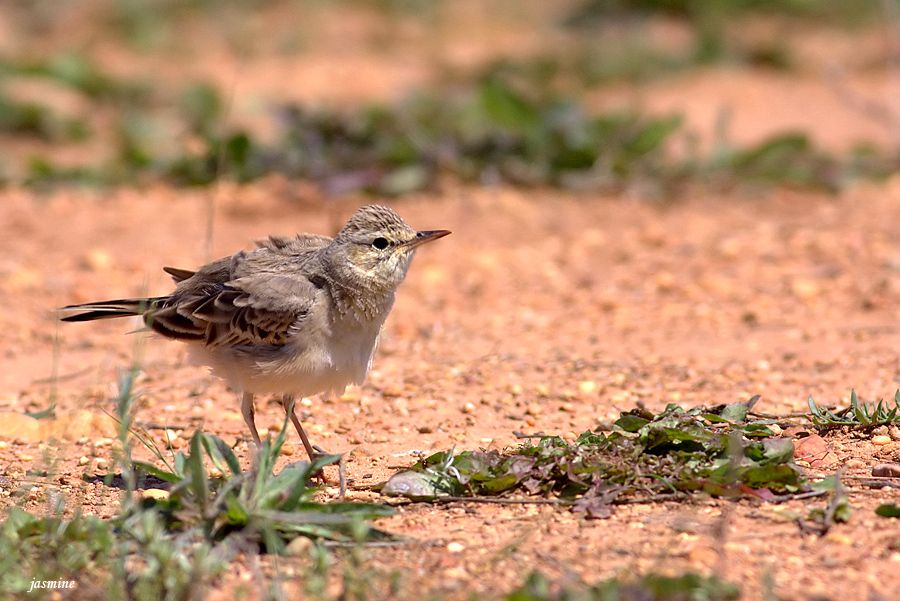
295,316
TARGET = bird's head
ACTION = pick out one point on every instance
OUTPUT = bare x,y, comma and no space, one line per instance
375,247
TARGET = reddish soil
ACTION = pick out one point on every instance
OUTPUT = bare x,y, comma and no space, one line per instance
544,311
541,312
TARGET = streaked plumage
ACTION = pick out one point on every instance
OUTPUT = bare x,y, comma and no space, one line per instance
296,316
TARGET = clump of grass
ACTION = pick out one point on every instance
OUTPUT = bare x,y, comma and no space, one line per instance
859,415
646,456
33,119
270,509
175,547
651,586
76,71
495,131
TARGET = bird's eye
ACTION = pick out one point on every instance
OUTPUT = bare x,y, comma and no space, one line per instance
380,243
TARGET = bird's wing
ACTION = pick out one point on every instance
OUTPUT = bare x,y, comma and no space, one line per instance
179,275
301,243
251,298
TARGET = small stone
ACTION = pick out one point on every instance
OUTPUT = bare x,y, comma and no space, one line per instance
887,470
425,429
287,449
156,494
456,573
83,460
169,437
18,426
839,537
587,386
455,547
97,259
299,546
881,440
805,289
703,556
533,409
855,464
468,408
894,432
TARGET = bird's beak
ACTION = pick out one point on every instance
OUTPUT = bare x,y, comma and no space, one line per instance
426,236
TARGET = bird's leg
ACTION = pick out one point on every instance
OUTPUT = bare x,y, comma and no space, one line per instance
287,401
249,417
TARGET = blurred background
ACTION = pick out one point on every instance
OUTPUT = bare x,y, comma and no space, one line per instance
652,202
394,96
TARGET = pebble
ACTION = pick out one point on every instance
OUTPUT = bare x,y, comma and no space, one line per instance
587,386
468,407
533,409
18,426
805,289
299,546
83,460
456,573
455,547
170,436
881,440
97,260
155,493
891,470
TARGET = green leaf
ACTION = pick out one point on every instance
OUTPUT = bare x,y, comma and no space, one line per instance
197,472
156,472
777,450
221,454
630,422
506,107
735,413
888,510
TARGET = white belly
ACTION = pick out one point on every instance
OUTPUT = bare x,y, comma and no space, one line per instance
314,362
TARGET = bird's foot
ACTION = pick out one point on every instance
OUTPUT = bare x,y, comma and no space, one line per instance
320,474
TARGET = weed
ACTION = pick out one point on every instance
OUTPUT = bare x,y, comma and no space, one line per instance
864,416
676,451
652,586
173,548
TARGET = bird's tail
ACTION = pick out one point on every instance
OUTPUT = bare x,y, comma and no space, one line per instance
109,309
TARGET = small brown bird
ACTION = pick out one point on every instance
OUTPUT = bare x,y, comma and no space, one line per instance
295,316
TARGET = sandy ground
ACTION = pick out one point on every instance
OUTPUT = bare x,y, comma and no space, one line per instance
541,312
544,311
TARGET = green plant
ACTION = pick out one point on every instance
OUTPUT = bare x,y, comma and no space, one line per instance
857,415
651,587
715,450
269,508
